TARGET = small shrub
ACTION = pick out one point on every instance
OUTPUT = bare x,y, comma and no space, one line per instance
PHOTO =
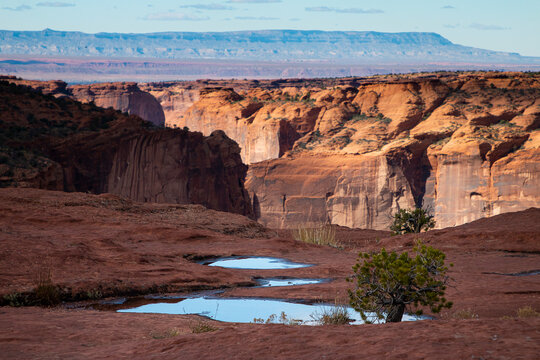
323,234
94,294
202,327
380,117
412,221
527,312
358,117
332,315
16,300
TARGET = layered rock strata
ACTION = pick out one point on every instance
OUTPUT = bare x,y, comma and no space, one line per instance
125,96
351,153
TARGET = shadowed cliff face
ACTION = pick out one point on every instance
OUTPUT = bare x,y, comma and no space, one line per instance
80,147
354,151
181,167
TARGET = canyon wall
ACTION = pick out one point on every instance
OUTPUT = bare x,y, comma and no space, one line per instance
122,96
176,166
157,165
125,97
78,147
354,151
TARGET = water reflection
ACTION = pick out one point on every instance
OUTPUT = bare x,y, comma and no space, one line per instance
246,310
274,282
255,262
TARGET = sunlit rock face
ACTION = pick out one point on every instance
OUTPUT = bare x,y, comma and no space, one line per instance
464,145
125,97
352,151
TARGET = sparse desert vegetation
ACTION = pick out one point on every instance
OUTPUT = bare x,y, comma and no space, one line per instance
320,234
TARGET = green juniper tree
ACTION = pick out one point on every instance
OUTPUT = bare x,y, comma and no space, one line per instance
412,221
386,283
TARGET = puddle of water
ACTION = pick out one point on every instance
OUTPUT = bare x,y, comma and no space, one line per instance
244,310
523,273
526,273
255,262
273,282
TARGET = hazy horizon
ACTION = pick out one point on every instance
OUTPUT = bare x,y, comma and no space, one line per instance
495,25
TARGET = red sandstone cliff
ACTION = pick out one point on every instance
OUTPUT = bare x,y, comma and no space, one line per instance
125,96
79,147
353,151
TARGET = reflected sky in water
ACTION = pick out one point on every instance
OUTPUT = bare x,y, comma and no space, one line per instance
260,263
245,310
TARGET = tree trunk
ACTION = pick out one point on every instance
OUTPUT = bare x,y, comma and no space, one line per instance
396,313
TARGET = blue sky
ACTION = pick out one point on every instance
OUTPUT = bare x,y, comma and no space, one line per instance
504,25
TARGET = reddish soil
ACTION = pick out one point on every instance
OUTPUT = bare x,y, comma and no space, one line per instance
108,245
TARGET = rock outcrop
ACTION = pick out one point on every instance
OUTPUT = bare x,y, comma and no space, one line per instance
80,147
354,151
125,97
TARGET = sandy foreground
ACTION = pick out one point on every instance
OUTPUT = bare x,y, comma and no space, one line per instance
114,247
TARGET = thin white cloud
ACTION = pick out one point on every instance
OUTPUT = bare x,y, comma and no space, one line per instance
18,8
345,11
487,27
55,4
448,7
263,18
451,26
253,1
208,7
174,16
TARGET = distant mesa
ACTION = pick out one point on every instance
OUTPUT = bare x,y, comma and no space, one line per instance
265,45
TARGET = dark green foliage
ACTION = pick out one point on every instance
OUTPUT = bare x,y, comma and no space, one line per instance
387,283
412,221
16,300
380,117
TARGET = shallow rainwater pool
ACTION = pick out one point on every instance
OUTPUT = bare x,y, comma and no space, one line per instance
275,282
254,262
246,310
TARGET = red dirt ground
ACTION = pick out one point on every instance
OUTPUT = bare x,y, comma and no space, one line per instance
114,246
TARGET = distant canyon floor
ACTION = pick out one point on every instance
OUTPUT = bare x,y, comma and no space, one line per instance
116,247
90,70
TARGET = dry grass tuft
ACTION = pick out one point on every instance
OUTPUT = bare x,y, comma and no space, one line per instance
464,314
323,234
165,335
527,312
45,291
202,327
336,314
